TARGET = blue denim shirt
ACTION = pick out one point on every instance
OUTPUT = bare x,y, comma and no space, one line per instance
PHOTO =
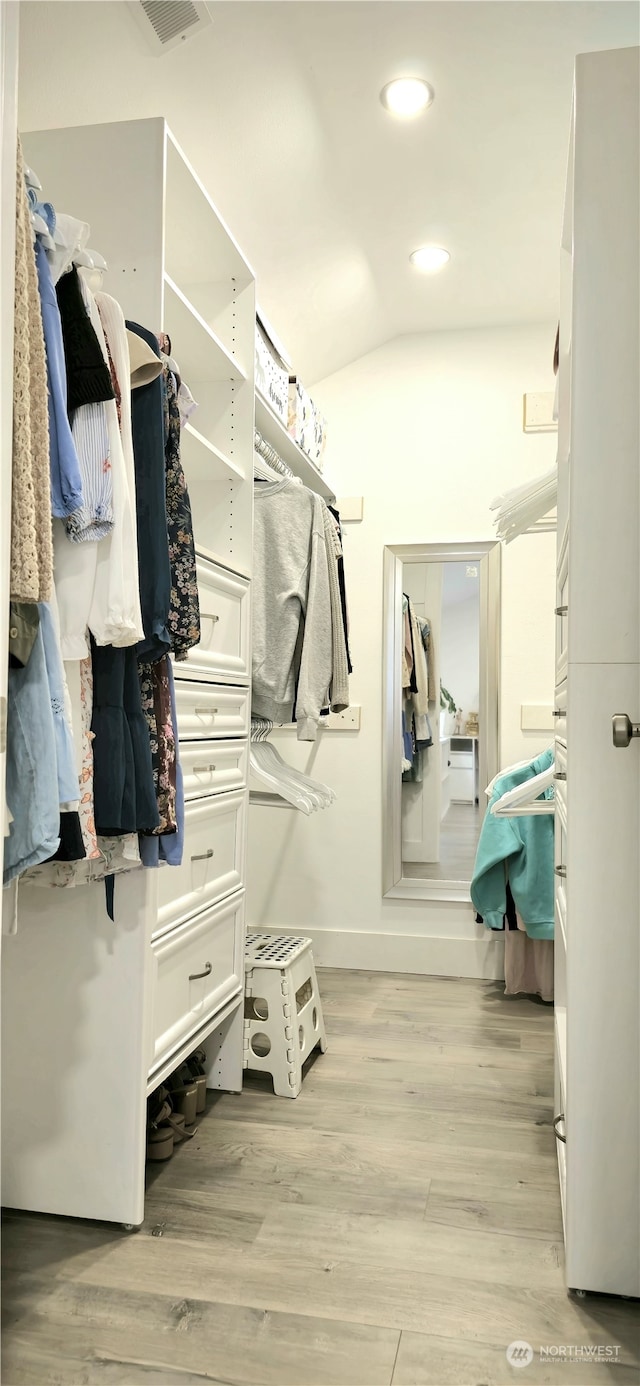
66,481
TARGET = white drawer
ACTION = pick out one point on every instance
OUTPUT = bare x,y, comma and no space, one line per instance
205,712
212,863
562,617
560,713
223,653
213,767
461,760
196,969
461,785
561,774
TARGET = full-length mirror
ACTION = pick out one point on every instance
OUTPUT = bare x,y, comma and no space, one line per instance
441,712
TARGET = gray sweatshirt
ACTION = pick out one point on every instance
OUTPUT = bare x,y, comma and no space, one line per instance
292,642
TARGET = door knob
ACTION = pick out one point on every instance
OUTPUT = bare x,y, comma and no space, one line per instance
624,729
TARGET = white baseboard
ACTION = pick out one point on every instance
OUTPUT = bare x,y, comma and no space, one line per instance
377,952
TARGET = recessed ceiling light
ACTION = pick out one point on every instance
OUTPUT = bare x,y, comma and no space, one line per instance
407,96
430,258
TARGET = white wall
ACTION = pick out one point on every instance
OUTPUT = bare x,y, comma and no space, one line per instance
428,429
460,653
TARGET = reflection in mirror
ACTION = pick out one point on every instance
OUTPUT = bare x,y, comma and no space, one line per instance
440,746
441,727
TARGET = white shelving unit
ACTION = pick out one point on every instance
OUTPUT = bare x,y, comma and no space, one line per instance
275,433
101,1012
597,1005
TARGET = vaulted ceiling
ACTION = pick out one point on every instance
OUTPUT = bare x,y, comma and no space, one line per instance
276,105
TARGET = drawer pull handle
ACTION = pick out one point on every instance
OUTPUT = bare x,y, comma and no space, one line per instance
560,775
204,769
558,1136
208,616
561,871
562,610
559,712
203,856
206,711
195,976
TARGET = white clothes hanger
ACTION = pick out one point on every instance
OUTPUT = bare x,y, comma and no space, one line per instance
276,785
524,800
262,471
525,505
320,793
31,178
41,229
281,778
510,770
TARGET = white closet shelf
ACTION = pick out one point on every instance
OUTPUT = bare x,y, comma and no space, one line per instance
201,354
197,236
204,461
275,433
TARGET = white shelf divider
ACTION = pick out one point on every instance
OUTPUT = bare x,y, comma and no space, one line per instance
202,355
204,461
275,433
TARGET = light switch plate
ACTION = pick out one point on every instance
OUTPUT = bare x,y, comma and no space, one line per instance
350,508
349,720
536,717
538,413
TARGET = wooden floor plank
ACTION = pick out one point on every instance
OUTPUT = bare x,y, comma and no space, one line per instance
399,1219
514,1211
142,1334
424,1360
411,1122
430,1247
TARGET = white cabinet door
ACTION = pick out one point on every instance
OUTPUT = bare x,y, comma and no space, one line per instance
603,1041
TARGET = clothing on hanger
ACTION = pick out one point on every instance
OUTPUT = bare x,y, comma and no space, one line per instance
292,630
525,847
64,468
154,569
31,555
184,608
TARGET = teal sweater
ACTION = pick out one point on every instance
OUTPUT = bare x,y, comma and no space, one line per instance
525,846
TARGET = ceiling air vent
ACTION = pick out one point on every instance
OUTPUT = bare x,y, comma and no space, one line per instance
167,23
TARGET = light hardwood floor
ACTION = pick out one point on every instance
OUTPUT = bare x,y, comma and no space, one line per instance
398,1223
459,833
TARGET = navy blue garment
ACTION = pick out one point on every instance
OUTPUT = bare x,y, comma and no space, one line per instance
154,571
123,788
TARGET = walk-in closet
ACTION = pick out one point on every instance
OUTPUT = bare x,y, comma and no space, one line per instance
320,694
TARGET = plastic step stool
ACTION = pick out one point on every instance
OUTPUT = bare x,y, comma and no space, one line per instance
283,1012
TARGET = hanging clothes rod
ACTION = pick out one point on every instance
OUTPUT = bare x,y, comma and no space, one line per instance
270,455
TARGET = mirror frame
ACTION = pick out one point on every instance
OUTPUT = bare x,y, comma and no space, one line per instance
488,555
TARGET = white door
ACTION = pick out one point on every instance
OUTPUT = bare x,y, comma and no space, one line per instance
599,863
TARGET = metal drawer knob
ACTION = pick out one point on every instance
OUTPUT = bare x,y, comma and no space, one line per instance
559,712
208,616
203,856
558,1135
560,775
624,730
561,610
561,871
195,976
203,769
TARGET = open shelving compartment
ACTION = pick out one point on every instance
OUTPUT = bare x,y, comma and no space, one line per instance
275,433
